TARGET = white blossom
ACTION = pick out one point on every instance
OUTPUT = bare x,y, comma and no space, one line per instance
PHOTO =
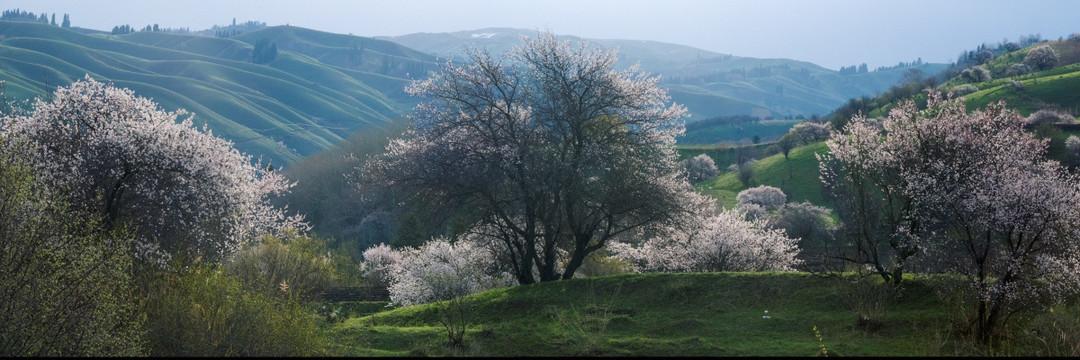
441,270
975,192
700,168
768,197
184,191
723,241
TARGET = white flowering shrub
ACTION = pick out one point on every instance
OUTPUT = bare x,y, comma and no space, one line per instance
1016,86
964,89
984,56
700,168
1018,69
1049,116
441,270
811,132
1072,148
976,74
377,262
722,242
752,211
1041,57
768,197
183,191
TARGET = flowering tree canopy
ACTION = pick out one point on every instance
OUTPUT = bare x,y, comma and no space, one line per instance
811,132
700,168
973,190
976,74
768,197
550,146
185,192
377,262
1042,57
1050,116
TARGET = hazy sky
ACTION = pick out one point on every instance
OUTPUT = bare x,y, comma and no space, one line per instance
829,33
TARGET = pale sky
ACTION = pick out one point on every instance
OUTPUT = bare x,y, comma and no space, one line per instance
830,33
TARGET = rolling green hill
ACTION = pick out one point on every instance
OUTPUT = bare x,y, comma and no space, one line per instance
1056,88
292,107
797,175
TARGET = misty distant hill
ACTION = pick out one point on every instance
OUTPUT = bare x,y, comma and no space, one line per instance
708,83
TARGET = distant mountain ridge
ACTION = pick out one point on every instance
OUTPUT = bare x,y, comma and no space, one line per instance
708,83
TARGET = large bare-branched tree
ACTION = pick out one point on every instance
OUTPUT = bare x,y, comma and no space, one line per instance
553,149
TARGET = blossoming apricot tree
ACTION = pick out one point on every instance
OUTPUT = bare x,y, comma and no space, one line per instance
551,146
185,192
972,190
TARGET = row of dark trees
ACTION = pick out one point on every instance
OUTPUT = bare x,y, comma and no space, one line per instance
900,65
849,70
22,15
127,29
235,28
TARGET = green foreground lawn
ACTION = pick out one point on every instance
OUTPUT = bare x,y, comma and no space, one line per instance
699,314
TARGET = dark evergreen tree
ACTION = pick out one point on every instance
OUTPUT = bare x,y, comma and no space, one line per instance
265,51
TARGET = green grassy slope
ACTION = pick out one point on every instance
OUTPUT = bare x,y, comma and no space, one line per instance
1057,88
1051,88
702,314
797,176
289,108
